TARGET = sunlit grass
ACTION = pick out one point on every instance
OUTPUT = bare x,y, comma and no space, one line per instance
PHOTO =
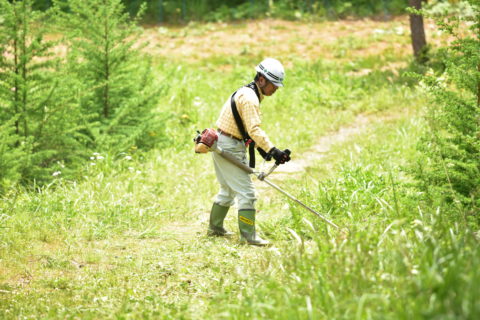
127,239
399,252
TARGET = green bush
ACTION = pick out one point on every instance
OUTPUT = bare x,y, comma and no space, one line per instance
181,11
451,147
100,96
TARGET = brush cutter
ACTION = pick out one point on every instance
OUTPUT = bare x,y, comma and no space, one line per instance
207,141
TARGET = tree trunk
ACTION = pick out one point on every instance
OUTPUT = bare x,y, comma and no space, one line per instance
478,103
478,88
16,99
417,30
106,88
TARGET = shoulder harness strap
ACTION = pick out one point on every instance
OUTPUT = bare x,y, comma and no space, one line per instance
246,138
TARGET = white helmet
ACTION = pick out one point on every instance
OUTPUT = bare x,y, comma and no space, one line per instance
273,70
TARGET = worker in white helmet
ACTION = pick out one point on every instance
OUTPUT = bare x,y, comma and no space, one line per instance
239,126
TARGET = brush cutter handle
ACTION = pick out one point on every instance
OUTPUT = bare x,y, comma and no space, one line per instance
281,156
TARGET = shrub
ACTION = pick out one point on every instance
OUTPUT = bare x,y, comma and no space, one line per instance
451,147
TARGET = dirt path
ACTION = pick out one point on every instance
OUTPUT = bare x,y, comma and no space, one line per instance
285,40
318,151
322,147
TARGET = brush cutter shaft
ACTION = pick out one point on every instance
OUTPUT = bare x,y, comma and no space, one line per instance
232,159
300,203
263,175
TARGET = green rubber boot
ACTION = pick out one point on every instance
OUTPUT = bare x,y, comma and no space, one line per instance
217,215
246,224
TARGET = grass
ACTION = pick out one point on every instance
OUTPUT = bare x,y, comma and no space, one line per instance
128,241
402,260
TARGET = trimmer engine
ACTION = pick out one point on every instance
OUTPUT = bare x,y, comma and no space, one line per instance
205,140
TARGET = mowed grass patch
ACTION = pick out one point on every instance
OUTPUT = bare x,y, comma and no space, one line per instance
168,276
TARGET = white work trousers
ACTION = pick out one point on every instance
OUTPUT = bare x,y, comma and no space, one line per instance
234,182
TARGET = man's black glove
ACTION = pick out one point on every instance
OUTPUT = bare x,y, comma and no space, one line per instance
280,156
265,155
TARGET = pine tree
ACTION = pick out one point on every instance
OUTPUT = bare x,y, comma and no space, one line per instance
118,84
33,93
452,145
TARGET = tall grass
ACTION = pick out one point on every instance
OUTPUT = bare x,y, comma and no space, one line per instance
399,262
127,240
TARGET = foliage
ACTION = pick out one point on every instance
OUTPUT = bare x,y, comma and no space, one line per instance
101,94
34,92
181,11
117,84
12,154
451,163
451,7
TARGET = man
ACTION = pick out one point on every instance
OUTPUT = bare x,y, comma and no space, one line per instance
239,122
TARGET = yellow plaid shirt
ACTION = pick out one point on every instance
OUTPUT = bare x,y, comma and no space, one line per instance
248,106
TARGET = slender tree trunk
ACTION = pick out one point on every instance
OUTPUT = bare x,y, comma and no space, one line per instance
478,104
16,70
478,88
24,71
15,84
417,29
106,93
